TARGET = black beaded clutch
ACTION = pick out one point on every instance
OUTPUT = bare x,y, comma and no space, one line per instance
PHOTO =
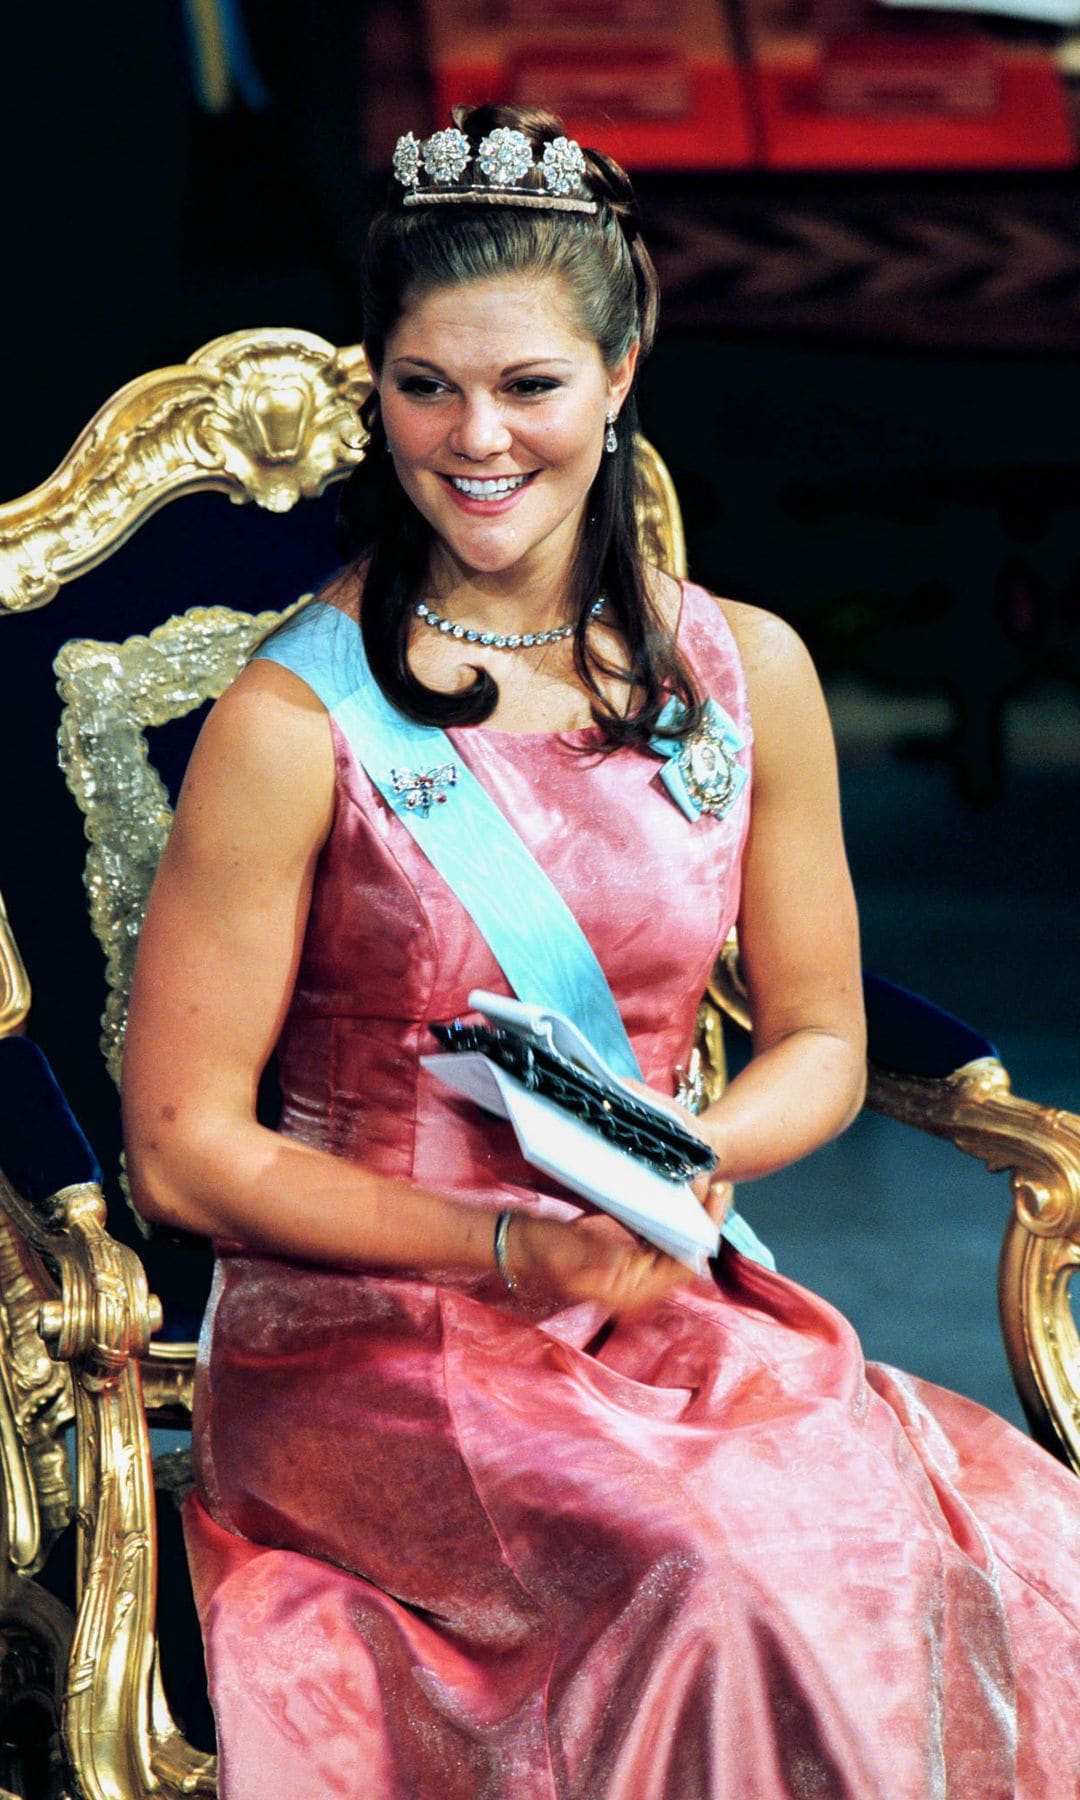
646,1132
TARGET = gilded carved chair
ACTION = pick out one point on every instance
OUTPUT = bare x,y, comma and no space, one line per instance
97,1325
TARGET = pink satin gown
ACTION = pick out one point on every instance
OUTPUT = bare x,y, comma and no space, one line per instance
446,1547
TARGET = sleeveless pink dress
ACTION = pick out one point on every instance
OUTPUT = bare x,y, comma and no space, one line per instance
446,1547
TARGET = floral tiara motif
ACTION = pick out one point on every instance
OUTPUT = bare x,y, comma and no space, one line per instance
444,170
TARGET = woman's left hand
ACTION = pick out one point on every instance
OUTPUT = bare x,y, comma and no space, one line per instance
714,1192
717,1196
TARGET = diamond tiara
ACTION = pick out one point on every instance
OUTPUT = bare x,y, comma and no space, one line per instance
444,170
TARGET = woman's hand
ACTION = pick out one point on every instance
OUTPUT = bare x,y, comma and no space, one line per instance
717,1196
591,1258
715,1193
596,1258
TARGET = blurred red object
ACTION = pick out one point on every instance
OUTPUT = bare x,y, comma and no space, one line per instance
804,128
656,85
842,84
555,13
872,73
632,85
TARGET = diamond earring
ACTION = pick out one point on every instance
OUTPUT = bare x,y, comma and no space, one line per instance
611,442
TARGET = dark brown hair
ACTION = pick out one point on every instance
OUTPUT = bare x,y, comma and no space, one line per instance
609,276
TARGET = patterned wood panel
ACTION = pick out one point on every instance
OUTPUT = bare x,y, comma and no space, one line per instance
980,263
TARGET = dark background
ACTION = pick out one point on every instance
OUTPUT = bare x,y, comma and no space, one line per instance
896,477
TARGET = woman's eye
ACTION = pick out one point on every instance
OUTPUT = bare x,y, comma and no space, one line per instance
426,386
527,386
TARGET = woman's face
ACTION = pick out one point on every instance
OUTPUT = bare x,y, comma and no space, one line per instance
494,407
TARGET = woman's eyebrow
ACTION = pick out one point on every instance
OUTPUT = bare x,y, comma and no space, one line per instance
420,362
532,362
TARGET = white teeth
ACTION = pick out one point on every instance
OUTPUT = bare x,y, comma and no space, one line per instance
487,490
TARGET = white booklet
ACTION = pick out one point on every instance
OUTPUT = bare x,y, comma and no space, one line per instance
666,1213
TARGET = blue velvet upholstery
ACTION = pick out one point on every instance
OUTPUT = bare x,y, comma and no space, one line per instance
42,1146
43,1149
909,1036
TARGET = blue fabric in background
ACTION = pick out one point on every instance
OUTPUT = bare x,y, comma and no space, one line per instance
910,1036
42,1145
43,1148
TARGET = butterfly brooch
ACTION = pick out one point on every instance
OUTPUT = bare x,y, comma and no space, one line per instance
424,788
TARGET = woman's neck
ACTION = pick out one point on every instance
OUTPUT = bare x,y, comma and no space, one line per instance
519,600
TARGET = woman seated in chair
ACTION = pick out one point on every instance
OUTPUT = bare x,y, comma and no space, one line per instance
493,1497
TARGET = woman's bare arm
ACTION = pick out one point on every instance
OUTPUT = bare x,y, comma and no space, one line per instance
216,966
798,930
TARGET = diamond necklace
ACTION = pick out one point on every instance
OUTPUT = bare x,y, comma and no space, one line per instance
499,640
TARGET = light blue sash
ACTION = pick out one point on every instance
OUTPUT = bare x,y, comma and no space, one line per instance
527,925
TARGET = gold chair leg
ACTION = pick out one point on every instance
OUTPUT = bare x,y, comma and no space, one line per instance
35,1640
120,1736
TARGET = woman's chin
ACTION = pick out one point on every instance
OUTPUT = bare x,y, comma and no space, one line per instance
486,552
491,548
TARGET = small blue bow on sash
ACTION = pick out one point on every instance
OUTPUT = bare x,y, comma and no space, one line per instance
700,771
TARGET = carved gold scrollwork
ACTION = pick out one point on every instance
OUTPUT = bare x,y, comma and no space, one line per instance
976,1109
1040,1333
120,1735
105,1314
14,983
35,1406
268,416
168,1378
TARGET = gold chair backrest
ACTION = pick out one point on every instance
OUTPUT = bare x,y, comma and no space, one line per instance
270,416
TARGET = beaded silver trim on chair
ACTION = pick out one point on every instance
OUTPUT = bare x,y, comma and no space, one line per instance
445,170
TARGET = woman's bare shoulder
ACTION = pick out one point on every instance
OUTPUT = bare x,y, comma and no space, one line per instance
769,648
264,754
787,706
265,701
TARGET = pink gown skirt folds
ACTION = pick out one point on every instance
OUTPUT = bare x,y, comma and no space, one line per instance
445,1545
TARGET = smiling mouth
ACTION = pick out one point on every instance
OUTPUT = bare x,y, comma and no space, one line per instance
496,488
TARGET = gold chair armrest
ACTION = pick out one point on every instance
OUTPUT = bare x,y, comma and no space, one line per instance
99,1321
977,1111
167,1372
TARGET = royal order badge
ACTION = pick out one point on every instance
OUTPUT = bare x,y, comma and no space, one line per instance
701,771
708,767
